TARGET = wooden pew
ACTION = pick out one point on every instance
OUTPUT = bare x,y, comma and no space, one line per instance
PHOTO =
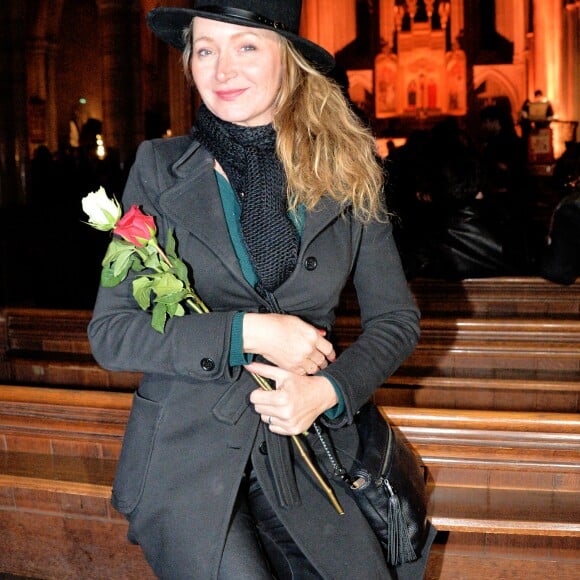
58,453
50,347
58,446
496,479
505,296
496,363
486,363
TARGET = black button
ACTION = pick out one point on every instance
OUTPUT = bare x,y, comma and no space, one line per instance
311,263
207,364
262,448
262,309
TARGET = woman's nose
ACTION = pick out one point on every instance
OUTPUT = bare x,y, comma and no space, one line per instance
225,69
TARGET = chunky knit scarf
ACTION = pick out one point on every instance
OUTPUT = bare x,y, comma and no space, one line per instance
248,157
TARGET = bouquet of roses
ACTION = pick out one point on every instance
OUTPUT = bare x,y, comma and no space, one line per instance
162,282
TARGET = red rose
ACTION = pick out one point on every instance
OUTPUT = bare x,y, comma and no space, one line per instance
136,227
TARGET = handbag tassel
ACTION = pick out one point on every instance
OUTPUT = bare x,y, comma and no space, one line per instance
399,548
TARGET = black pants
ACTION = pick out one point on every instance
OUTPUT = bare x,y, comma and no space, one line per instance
258,546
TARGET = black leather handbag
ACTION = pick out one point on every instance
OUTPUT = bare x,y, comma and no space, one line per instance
387,483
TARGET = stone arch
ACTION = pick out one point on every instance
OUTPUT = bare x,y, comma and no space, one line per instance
497,84
42,26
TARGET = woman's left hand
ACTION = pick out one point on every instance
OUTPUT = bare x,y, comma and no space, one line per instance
296,402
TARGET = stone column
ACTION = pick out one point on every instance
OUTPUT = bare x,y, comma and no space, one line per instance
510,23
548,26
36,51
122,114
571,89
387,21
180,102
456,19
330,23
13,128
51,104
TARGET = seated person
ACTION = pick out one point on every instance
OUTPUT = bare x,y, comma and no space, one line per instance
470,234
560,258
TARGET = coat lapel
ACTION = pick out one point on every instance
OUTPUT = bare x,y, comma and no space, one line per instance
192,201
318,219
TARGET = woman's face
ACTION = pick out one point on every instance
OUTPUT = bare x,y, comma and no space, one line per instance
237,70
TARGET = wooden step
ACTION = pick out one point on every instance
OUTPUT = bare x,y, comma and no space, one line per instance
83,476
490,474
502,296
505,511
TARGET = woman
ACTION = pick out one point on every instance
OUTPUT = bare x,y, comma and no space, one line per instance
275,199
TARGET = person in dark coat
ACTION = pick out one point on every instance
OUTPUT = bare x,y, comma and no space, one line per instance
560,257
275,201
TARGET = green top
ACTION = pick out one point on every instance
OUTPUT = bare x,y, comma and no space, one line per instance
232,212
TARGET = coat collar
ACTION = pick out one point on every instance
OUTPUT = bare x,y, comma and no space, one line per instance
193,201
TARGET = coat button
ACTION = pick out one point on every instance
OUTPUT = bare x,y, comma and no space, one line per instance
262,448
207,364
311,263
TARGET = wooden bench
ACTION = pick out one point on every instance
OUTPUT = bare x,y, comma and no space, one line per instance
50,347
491,474
486,363
504,484
496,363
505,296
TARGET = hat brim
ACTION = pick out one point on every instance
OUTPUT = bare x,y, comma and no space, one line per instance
168,25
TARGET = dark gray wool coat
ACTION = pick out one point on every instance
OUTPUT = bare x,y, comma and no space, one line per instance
192,429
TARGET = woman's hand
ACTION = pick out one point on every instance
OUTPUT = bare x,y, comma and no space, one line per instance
287,342
296,402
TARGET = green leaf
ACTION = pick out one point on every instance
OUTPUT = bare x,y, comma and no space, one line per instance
115,249
142,291
175,309
170,244
181,271
159,317
166,284
152,262
122,262
109,279
174,298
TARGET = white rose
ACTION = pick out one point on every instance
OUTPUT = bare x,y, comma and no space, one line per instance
103,211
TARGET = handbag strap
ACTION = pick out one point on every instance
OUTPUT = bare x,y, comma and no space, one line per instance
339,470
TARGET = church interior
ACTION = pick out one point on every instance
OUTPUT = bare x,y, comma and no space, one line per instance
489,400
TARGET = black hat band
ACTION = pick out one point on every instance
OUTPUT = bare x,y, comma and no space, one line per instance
246,15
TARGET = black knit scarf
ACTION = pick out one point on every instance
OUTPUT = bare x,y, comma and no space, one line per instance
248,157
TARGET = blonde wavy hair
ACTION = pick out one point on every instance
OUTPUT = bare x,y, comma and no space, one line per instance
324,147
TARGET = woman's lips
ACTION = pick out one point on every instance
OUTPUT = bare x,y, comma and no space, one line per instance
230,95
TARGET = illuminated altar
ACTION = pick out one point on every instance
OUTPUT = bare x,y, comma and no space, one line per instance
423,77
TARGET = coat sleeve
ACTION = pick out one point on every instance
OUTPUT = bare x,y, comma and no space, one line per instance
120,333
389,319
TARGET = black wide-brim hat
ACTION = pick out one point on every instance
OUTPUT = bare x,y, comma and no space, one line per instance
281,16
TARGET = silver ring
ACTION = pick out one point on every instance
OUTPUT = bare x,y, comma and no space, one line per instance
270,420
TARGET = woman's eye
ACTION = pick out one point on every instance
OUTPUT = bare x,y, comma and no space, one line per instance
203,52
248,47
